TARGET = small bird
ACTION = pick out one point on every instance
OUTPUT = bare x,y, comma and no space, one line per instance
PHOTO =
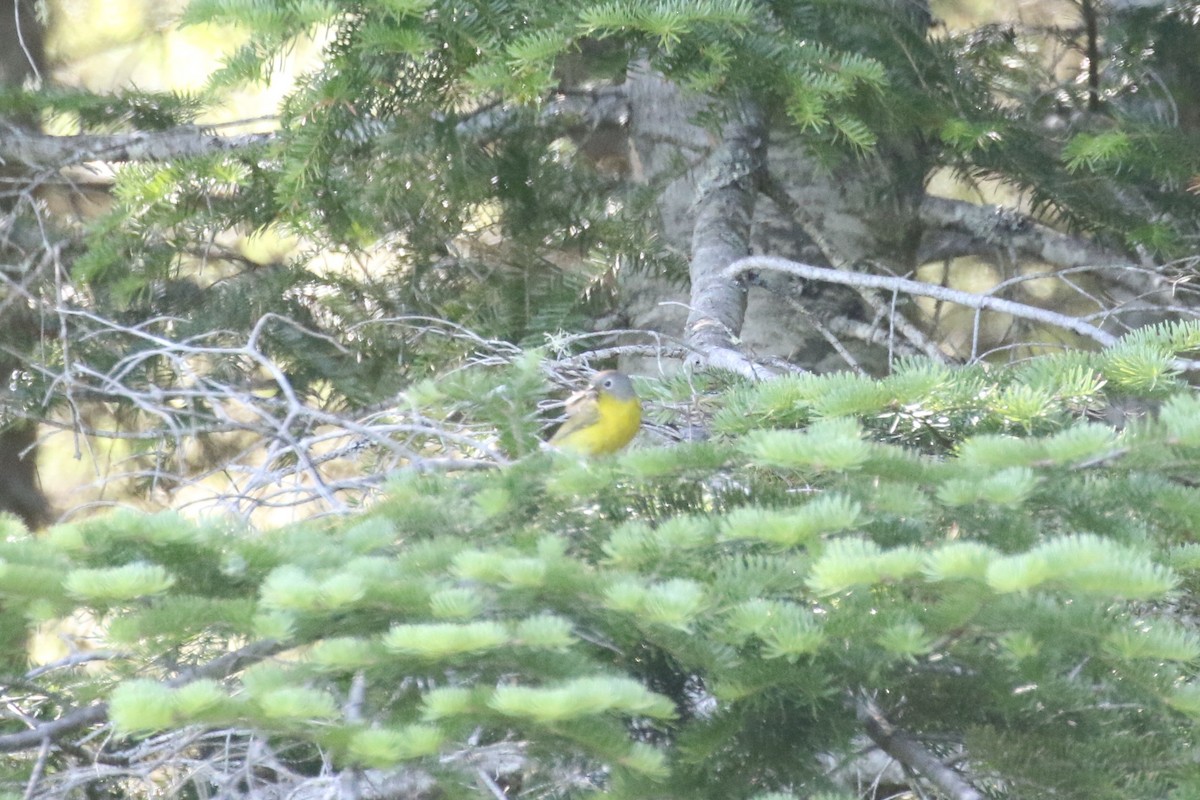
602,418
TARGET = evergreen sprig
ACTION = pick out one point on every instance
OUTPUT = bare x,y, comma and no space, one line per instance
573,612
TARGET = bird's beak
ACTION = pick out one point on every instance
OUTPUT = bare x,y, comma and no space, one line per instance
583,394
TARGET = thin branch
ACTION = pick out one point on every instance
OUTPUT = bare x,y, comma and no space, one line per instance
988,227
67,723
981,302
871,334
912,754
231,662
96,714
291,451
491,785
897,322
39,767
828,335
74,660
1091,25
900,324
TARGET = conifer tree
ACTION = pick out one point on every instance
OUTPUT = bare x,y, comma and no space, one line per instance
980,572
950,566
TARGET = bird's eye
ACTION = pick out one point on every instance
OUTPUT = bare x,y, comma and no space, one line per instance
608,383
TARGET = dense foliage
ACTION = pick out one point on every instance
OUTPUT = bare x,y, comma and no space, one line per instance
437,165
957,552
986,572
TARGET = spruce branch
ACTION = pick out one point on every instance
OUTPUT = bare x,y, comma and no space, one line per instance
219,667
985,228
41,151
912,754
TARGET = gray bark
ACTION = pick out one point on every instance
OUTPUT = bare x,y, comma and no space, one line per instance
859,209
721,235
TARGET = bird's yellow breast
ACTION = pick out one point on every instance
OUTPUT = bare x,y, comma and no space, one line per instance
616,423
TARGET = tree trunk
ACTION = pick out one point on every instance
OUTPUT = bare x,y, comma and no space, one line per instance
21,60
857,212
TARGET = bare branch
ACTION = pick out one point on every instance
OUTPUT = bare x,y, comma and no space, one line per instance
980,302
491,785
289,452
67,723
95,714
986,228
901,331
44,152
912,754
898,323
39,767
74,660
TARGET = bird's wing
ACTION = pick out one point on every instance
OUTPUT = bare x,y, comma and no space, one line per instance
582,412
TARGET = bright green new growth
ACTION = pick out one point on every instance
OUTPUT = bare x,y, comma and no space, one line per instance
702,628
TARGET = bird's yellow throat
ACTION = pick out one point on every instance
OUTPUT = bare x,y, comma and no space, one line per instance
602,419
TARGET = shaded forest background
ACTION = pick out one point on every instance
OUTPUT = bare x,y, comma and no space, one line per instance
590,225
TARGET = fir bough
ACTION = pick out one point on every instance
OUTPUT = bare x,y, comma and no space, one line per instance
683,619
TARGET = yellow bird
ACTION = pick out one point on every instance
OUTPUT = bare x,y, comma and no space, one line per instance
602,418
